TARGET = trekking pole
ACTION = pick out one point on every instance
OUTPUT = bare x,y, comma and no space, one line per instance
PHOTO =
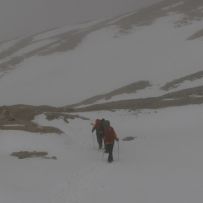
118,150
103,155
93,141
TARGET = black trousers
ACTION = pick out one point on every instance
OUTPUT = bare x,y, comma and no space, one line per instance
109,149
99,139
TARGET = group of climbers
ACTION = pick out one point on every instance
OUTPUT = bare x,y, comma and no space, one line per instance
105,134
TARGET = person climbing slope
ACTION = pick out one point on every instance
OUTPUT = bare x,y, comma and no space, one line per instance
109,137
98,126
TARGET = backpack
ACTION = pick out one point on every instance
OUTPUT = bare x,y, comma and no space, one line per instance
98,126
97,123
101,125
106,124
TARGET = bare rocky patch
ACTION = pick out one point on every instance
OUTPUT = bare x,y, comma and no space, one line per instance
32,154
196,35
175,83
20,117
64,116
129,138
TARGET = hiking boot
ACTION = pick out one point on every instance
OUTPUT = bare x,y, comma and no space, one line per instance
110,161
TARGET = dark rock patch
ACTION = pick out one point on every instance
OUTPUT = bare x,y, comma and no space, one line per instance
129,138
32,154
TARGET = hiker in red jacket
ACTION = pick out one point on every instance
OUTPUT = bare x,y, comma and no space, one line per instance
98,126
109,138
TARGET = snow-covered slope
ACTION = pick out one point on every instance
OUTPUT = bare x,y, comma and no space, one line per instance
151,59
64,66
163,164
146,90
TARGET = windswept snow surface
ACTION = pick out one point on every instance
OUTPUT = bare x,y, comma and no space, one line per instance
152,91
7,44
57,31
104,61
163,164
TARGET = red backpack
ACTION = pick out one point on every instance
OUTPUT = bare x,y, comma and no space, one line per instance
97,123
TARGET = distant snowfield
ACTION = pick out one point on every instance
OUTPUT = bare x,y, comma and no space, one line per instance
7,44
152,91
103,62
57,31
32,47
163,164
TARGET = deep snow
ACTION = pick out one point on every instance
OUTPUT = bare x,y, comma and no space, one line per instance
163,164
158,53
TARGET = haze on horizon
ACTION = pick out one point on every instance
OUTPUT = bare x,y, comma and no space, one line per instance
21,17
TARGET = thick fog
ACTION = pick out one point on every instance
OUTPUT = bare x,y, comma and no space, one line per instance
20,17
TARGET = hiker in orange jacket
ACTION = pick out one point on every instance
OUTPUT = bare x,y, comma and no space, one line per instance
109,138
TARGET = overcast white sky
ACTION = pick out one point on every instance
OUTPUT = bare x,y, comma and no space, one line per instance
19,17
